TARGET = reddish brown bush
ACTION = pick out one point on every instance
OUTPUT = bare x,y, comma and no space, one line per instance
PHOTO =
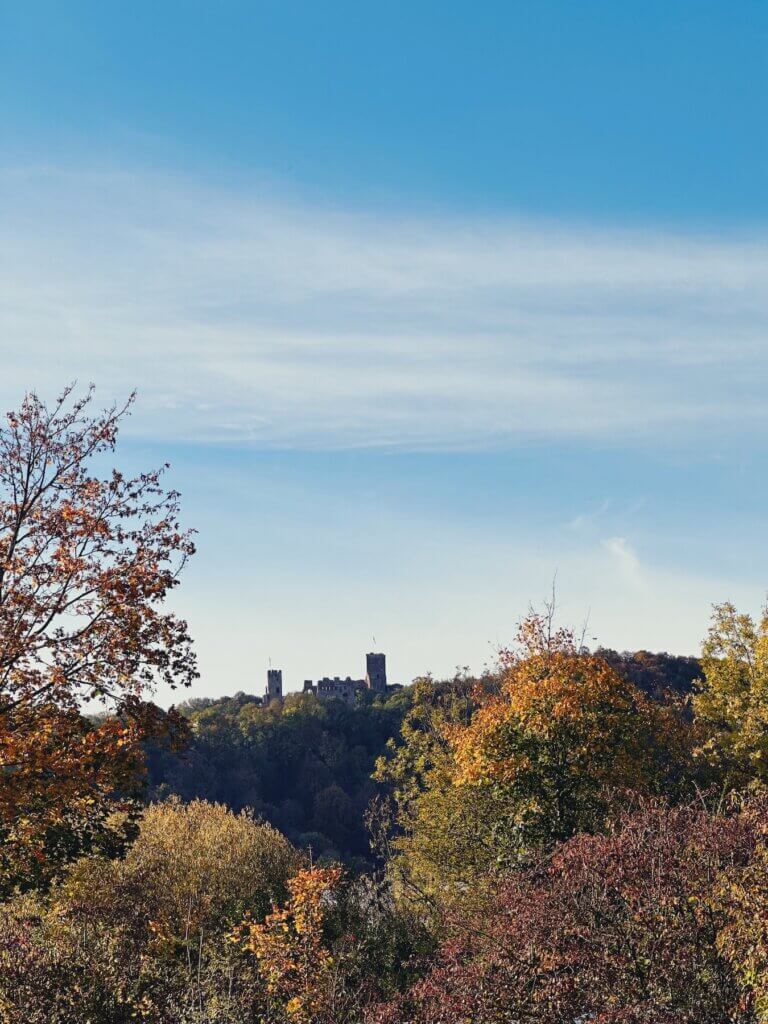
617,928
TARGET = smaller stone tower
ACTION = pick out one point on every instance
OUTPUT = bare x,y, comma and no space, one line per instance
376,672
274,684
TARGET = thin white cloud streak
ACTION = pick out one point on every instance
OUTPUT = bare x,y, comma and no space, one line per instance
626,559
253,318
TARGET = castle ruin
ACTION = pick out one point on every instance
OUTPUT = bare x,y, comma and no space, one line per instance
337,688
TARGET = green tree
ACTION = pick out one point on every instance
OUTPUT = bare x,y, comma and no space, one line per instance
439,840
304,764
731,706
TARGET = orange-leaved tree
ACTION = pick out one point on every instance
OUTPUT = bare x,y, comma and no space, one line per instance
552,744
299,969
87,560
564,732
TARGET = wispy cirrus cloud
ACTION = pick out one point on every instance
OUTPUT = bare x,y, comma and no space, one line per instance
625,559
247,316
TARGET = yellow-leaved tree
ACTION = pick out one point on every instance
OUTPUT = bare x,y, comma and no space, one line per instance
292,953
144,937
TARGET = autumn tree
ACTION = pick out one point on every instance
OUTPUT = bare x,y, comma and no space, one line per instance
621,928
492,777
562,736
432,836
731,705
88,557
293,956
334,946
741,897
144,936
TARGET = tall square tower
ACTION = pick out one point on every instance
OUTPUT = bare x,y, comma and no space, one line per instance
275,684
376,672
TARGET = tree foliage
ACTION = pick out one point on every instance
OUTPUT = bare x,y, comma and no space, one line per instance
86,563
145,937
564,730
300,971
304,764
657,674
485,778
440,839
623,927
731,705
336,946
742,897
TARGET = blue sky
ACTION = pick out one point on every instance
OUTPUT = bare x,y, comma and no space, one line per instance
425,303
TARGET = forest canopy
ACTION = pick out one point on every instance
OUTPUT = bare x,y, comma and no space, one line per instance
306,765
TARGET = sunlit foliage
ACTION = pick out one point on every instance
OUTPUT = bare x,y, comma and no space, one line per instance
86,562
563,734
334,947
299,969
732,703
487,775
145,936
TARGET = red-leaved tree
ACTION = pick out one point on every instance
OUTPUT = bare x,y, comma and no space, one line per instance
611,928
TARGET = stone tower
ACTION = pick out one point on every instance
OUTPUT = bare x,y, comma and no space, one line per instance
376,672
274,684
